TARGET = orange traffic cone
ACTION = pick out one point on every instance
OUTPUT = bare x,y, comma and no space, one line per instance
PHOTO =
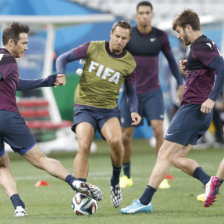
169,177
41,183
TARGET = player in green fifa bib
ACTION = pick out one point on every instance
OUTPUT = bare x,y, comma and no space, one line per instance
107,67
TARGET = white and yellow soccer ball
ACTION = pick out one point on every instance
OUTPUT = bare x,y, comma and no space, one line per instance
83,204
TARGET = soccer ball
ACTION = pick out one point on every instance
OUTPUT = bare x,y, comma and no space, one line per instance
83,204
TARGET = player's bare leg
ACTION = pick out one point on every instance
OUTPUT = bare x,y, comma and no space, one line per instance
127,134
157,126
164,159
111,130
220,171
38,159
185,164
189,166
160,170
84,133
9,185
6,179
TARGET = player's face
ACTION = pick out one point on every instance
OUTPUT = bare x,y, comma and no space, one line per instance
118,39
183,35
144,15
18,49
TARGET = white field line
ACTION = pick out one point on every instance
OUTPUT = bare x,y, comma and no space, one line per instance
103,175
95,175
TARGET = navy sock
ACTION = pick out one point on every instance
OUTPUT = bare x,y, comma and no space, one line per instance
147,195
200,174
69,179
115,177
127,169
16,201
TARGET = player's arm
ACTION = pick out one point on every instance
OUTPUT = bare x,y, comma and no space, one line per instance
28,84
166,49
63,60
132,99
175,72
69,56
218,65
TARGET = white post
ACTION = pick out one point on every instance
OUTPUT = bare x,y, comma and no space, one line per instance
222,41
47,70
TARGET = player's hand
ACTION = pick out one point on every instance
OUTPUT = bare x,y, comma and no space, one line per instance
136,118
207,106
183,65
180,91
60,80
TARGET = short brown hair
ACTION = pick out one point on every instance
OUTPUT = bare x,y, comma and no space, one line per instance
13,31
186,17
122,23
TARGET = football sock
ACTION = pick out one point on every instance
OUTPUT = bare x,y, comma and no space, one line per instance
69,179
200,174
115,177
127,170
147,195
16,201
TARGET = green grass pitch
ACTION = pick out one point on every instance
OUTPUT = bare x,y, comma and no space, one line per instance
52,204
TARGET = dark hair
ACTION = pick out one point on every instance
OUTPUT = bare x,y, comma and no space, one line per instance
144,3
186,17
13,31
124,24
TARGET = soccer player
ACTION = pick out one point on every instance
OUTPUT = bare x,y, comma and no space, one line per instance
13,128
195,114
107,66
146,43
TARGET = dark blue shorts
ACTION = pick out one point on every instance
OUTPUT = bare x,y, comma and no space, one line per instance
188,125
14,131
150,106
95,116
